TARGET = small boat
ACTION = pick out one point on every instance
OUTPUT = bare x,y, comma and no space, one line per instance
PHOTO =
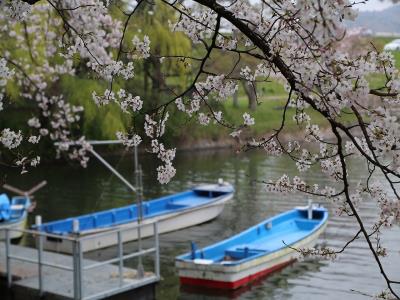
13,215
253,253
174,212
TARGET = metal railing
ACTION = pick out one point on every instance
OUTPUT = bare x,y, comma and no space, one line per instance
78,267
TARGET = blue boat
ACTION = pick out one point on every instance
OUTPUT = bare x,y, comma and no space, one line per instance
253,253
188,208
13,215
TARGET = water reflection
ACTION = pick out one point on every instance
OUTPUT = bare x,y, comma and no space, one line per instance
73,191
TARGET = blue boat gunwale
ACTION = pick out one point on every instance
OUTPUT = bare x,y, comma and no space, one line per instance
176,209
234,263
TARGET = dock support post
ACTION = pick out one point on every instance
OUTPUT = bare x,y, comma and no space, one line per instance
40,266
80,269
75,272
8,263
121,259
157,246
39,241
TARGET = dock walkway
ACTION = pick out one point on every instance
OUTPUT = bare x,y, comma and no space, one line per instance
33,273
57,282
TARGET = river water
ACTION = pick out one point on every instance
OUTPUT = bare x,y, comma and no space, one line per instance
353,275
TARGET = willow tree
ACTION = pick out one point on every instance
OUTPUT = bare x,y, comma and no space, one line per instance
291,39
157,75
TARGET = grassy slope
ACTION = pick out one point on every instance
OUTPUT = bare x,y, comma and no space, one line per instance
268,115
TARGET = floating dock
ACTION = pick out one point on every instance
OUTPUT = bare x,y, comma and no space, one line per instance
31,273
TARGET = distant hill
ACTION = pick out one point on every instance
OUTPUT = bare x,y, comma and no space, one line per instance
385,21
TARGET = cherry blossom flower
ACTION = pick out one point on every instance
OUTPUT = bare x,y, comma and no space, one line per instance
248,120
10,139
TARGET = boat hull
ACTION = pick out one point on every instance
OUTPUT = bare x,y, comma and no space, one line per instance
235,276
166,223
17,225
18,215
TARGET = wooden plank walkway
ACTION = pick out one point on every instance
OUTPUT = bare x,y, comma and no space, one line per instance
57,282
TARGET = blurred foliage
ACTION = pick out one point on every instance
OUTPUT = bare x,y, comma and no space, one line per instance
154,81
97,122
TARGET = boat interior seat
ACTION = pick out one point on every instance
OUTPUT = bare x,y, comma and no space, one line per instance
239,254
253,247
175,205
191,201
306,224
270,244
17,207
16,210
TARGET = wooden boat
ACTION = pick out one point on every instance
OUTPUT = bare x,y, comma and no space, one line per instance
253,253
173,212
13,215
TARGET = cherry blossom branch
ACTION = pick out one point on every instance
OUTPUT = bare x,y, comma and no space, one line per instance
201,67
355,212
324,252
74,30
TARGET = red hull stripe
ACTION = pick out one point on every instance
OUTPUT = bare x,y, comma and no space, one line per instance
216,284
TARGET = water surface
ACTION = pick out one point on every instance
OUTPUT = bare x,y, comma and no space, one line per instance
73,190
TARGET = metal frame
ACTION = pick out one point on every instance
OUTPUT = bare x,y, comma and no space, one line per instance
102,160
78,267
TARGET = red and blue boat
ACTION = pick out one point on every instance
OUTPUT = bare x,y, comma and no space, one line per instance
253,253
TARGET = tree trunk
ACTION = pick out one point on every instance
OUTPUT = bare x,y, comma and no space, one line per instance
251,94
235,100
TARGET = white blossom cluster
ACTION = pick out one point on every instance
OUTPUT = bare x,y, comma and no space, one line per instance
25,161
226,43
15,9
141,48
248,120
204,119
5,75
217,85
38,39
389,206
272,147
285,185
78,150
247,74
128,141
199,29
11,139
156,130
167,171
125,100
34,122
128,102
383,129
113,69
153,128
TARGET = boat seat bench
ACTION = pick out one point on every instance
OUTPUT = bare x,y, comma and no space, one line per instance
192,201
267,244
174,206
